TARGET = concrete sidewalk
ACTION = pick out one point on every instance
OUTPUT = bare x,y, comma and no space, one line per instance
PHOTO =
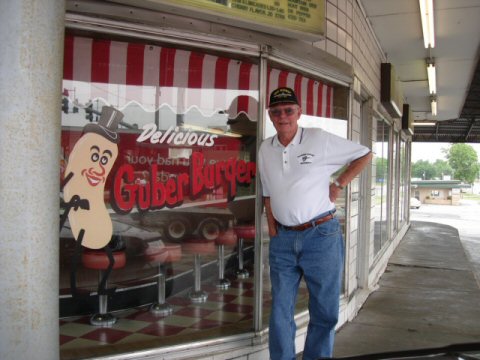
427,297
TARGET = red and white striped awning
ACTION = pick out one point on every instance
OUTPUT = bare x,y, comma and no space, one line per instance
121,73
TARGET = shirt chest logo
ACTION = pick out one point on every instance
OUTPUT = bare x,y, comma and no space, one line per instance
305,158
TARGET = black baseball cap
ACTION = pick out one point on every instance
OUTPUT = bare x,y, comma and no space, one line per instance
283,95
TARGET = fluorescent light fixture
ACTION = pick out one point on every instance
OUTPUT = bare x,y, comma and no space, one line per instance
424,124
433,103
426,13
432,77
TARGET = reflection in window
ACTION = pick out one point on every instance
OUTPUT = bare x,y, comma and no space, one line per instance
382,171
323,106
403,188
180,195
394,202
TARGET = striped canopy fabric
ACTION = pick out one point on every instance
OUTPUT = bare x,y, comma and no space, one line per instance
121,73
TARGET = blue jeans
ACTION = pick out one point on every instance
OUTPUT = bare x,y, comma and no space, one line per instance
316,253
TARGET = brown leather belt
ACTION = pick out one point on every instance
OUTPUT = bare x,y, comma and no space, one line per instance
309,224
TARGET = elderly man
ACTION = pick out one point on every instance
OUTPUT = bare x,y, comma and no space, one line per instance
296,166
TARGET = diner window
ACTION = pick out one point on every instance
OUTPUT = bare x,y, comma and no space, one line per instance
403,188
324,105
382,160
180,196
394,187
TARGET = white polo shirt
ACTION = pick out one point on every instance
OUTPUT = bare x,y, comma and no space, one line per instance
297,177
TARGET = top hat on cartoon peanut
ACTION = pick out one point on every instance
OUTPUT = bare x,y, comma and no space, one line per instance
107,124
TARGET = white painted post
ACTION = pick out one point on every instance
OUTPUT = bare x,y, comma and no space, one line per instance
31,63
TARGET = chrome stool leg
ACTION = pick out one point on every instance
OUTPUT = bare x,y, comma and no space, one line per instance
102,318
197,295
222,283
241,272
161,308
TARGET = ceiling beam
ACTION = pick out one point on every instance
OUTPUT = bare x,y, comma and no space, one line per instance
472,124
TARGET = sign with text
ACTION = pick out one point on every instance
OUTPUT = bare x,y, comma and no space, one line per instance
304,19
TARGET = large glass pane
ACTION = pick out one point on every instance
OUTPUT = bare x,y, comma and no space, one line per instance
323,106
382,166
394,203
403,182
169,201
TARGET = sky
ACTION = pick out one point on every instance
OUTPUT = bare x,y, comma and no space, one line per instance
432,151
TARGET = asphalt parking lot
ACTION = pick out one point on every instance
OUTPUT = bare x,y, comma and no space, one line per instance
428,296
464,217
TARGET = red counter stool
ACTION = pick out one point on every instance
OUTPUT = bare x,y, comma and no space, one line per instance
159,255
227,237
244,233
98,260
198,247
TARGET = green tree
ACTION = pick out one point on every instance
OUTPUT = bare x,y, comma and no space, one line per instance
464,161
423,169
382,169
442,168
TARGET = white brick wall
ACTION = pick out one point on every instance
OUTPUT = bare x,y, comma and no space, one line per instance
349,38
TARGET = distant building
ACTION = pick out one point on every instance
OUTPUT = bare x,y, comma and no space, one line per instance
445,192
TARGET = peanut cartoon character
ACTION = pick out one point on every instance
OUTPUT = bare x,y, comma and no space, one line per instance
89,165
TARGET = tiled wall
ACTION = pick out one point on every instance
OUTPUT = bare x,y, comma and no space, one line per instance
350,38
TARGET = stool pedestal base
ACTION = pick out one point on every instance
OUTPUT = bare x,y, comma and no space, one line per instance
161,309
243,232
223,284
242,274
104,320
198,296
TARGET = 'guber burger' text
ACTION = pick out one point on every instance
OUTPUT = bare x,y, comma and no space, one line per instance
156,194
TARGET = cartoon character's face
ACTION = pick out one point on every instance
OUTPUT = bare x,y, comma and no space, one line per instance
92,158
95,174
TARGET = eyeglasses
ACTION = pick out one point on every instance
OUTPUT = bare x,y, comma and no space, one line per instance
278,112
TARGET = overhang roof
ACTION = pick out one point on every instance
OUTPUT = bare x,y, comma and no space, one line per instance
439,184
397,26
